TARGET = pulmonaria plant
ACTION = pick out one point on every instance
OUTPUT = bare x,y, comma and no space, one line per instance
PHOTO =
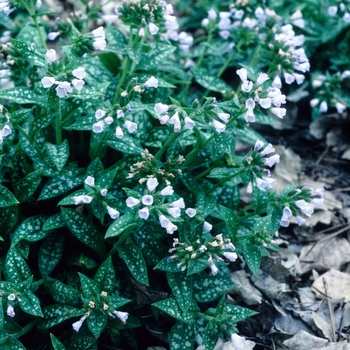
119,194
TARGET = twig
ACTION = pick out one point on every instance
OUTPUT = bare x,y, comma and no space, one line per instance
321,156
330,310
344,189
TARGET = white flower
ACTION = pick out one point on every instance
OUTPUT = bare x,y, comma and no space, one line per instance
299,78
99,38
144,213
90,181
279,112
224,34
191,212
167,191
108,120
242,73
213,268
318,202
277,82
247,86
289,78
131,126
224,117
78,84
167,224
314,102
79,73
174,212
262,78
103,192
300,220
267,150
48,82
124,93
123,316
153,29
120,113
340,107
51,55
53,35
318,191
151,82
100,113
185,40
250,104
265,102
287,213
10,311
207,226
109,19
332,10
205,22
63,88
265,182
160,108
305,207
323,106
114,214
141,32
237,341
212,14
119,132
219,127
82,199
175,120
189,123
11,297
271,161
131,202
249,116
178,204
77,325
152,183
230,256
147,199
163,120
258,145
98,127
346,17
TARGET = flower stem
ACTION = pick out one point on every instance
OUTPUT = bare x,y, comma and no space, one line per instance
35,146
43,42
99,146
58,124
168,142
223,181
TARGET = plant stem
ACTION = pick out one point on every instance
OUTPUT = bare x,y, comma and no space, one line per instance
43,42
58,124
169,141
203,173
223,181
194,153
99,146
35,146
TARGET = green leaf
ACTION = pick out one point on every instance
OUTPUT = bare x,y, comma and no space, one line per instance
58,154
23,95
57,345
116,40
96,323
30,230
62,293
210,336
111,61
84,343
11,343
16,269
171,307
50,253
82,123
239,313
117,302
167,265
252,256
181,287
106,178
196,266
89,287
8,218
83,230
181,336
126,145
133,258
90,92
29,53
54,221
6,197
57,313
231,221
59,185
105,276
135,53
209,81
158,54
69,200
30,304
25,188
124,222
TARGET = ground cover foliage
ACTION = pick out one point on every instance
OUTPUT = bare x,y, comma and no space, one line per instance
139,195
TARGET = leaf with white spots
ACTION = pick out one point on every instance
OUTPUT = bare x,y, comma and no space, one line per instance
6,197
124,222
106,178
126,145
62,293
171,307
23,95
8,218
60,184
25,188
84,343
54,221
57,345
133,258
30,304
30,230
16,269
94,91
117,302
84,230
181,336
231,221
239,313
105,276
211,335
58,154
69,200
57,313
252,256
169,265
89,287
10,343
50,253
96,323
181,287
209,80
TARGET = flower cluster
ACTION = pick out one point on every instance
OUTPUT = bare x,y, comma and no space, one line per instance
5,7
270,99
341,10
298,206
210,251
257,161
